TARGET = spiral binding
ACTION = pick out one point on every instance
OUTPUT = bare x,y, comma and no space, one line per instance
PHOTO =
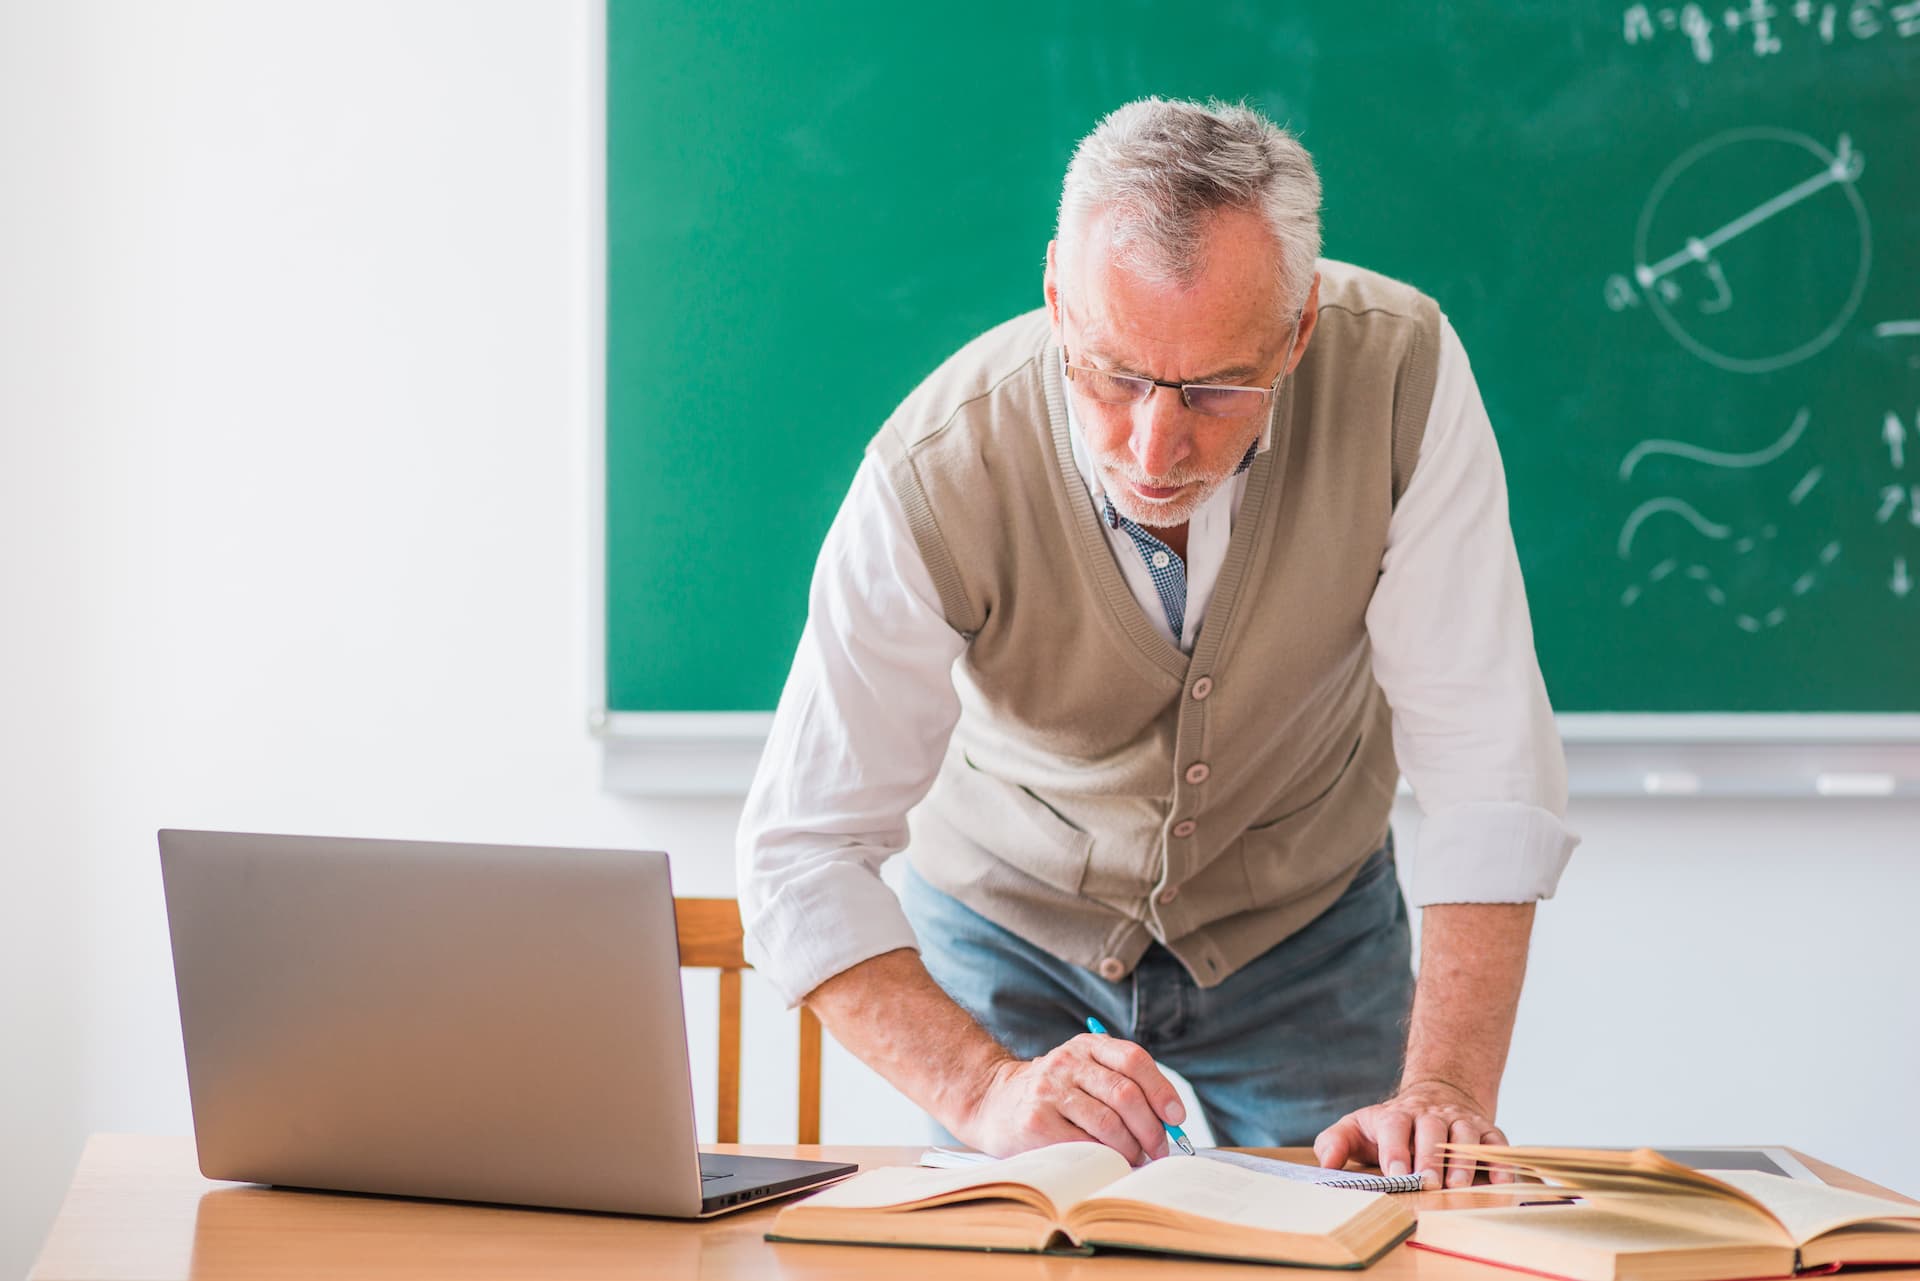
1377,1183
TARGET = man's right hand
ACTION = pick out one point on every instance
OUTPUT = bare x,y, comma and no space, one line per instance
891,1014
1092,1087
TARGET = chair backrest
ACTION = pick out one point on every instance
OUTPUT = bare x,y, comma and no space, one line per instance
711,939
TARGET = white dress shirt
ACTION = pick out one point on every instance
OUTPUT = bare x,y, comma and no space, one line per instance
869,703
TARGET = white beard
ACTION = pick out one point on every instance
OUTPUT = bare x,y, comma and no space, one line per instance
1114,474
1159,515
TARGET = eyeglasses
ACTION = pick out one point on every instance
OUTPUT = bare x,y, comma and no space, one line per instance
1216,400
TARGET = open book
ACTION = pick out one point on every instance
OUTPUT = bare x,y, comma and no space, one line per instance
1085,1195
1641,1217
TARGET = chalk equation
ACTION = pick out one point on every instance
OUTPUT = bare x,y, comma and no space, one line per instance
1895,330
1705,555
1897,494
1763,27
1715,229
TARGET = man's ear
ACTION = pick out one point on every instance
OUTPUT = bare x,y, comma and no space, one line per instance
1309,317
1050,286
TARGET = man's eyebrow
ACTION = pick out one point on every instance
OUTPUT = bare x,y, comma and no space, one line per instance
1122,367
1235,374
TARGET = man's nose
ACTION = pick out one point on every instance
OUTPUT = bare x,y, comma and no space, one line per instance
1160,440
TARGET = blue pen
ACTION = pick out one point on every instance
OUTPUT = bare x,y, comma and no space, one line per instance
1174,1132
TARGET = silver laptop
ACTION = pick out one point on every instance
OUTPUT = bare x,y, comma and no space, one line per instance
471,1022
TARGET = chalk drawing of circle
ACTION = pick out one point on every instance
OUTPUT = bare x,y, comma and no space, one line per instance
1794,350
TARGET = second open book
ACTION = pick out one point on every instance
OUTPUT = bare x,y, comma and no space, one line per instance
1085,1196
1642,1217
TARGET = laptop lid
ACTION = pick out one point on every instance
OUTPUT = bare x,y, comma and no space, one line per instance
474,1022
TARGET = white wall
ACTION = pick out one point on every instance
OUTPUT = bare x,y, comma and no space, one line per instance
296,406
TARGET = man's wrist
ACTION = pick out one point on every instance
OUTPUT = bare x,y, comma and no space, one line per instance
966,1091
1482,1094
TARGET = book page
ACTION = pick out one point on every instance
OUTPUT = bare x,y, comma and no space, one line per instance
1048,1178
1599,1170
967,1225
1598,1167
1590,1241
1228,1194
1714,1216
1809,1209
1615,1230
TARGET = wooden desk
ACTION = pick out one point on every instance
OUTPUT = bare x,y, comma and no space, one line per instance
139,1211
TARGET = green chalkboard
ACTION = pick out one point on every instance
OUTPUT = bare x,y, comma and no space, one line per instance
1681,244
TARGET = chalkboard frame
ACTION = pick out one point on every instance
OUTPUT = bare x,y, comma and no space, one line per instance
1609,755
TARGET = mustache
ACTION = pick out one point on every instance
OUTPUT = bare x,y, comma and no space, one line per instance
1172,480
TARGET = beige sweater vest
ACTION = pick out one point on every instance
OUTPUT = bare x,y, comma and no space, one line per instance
1102,789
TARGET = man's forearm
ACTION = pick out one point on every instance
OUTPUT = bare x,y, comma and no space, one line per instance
891,1014
1473,959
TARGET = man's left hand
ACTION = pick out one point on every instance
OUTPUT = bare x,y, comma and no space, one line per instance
1404,1133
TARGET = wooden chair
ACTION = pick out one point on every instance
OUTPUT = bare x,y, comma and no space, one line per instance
711,939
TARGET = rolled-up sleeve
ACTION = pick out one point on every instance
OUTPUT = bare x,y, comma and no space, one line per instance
1453,652
857,738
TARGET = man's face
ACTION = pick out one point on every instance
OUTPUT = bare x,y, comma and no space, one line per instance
1158,460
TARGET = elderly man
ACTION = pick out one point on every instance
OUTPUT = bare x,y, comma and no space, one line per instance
1146,599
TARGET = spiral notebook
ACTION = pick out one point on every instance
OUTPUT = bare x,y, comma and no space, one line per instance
1316,1174
954,1159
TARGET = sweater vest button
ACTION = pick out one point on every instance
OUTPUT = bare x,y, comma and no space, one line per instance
1202,688
1169,894
1197,773
1113,969
1185,828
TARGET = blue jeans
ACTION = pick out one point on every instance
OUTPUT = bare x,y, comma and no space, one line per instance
1303,1034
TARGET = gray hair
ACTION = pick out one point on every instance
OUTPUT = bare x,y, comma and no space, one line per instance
1160,167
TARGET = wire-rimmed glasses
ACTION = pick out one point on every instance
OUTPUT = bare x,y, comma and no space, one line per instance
1215,400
